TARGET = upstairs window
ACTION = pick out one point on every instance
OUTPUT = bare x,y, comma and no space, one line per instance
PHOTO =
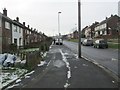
7,25
19,30
15,28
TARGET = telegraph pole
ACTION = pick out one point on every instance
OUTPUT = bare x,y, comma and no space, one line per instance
79,28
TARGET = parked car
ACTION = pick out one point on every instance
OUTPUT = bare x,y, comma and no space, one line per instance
58,41
101,43
82,39
87,42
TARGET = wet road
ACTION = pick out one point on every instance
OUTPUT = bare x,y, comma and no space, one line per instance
106,57
64,70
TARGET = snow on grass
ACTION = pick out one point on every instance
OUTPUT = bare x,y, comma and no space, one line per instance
18,81
13,86
29,73
41,63
10,76
43,54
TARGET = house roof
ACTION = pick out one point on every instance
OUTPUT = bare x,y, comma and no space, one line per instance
107,19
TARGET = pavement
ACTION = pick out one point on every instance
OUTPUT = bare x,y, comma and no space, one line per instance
63,69
105,58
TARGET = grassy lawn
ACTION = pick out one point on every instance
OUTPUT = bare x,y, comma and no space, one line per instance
73,40
114,46
29,50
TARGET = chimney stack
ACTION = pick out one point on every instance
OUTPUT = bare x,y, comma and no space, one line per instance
28,26
17,18
5,12
24,23
111,15
106,18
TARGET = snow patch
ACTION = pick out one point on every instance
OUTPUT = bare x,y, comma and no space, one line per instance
66,85
29,73
67,64
13,86
27,76
84,64
76,56
41,63
18,81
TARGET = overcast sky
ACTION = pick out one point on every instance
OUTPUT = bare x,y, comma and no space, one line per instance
43,14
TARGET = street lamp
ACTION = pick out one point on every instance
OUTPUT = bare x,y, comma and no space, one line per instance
59,24
79,28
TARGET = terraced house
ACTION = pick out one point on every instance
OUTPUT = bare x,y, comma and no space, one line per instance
13,32
108,28
17,33
5,32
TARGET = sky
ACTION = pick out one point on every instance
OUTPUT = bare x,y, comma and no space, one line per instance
43,14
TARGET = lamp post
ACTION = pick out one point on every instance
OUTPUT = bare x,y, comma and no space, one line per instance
79,29
59,24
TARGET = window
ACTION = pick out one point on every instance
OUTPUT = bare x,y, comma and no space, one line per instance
19,41
7,25
19,30
15,28
15,41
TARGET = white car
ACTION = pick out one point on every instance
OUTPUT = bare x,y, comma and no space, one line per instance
58,41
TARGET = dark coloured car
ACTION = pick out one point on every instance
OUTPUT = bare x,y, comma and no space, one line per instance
101,43
87,42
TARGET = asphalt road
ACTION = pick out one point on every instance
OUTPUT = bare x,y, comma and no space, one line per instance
106,57
64,70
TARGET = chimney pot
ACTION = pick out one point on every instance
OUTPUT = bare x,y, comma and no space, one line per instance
106,18
28,26
5,12
24,23
17,18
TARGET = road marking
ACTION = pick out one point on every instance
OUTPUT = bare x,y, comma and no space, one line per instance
113,59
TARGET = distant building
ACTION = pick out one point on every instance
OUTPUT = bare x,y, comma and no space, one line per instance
83,32
107,28
89,31
75,34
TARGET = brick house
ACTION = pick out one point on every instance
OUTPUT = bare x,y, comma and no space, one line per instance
5,32
83,32
107,28
89,31
75,34
26,35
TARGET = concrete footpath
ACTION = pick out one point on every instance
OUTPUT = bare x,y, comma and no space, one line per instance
63,69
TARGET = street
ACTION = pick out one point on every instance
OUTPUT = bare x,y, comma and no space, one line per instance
106,57
64,70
